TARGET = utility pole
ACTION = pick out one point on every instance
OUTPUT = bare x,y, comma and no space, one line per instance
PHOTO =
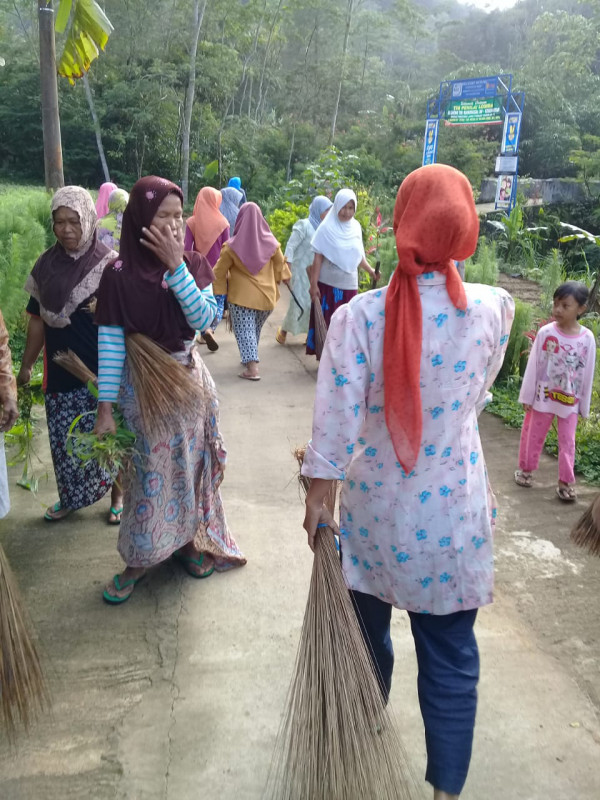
53,163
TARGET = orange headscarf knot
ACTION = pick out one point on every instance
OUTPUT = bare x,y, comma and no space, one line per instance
435,224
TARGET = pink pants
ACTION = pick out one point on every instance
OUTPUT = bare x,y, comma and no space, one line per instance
533,435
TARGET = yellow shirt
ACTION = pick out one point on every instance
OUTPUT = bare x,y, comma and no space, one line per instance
259,291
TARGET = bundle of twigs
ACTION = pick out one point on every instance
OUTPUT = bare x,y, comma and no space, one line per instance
586,532
70,361
337,740
23,690
320,329
164,387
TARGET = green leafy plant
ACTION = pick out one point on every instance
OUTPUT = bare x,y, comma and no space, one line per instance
518,343
20,438
483,266
114,452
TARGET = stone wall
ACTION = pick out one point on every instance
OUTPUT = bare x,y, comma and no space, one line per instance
551,190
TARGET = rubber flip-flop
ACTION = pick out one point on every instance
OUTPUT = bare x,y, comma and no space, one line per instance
116,512
211,342
115,601
247,377
185,562
56,508
566,494
280,336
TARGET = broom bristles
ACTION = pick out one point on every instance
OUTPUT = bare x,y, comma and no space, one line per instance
164,388
586,533
337,740
320,329
23,689
72,363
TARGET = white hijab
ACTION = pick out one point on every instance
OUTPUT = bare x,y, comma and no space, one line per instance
340,242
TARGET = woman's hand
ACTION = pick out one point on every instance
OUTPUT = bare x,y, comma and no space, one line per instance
8,413
166,245
375,275
105,422
24,375
527,408
315,292
316,518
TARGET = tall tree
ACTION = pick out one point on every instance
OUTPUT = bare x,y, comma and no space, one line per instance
198,17
53,163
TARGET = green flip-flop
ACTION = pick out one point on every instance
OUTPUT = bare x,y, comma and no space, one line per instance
116,512
115,601
56,508
185,562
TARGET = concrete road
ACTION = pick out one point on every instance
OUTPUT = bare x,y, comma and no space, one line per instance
178,694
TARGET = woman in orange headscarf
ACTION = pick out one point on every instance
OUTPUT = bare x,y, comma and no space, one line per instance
206,231
404,373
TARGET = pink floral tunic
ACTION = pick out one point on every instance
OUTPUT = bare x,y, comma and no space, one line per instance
422,541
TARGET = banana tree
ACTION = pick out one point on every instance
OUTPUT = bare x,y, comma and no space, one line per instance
89,29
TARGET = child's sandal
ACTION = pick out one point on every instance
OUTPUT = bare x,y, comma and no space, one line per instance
566,493
524,479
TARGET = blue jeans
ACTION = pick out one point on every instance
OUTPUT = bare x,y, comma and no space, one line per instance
448,661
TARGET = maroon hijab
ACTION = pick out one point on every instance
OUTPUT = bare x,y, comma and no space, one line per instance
133,292
252,239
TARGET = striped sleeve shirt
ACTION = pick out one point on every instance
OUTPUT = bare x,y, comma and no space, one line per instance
111,357
198,305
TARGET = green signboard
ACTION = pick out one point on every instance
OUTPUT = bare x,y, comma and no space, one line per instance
483,111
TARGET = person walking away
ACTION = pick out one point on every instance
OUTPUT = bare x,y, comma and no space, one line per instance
61,286
557,384
339,252
104,193
249,270
404,372
299,256
8,411
236,183
206,232
172,504
231,200
109,226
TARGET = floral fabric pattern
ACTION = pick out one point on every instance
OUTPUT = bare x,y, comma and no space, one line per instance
421,541
174,497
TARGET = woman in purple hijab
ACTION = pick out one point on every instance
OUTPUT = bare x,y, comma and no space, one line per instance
249,270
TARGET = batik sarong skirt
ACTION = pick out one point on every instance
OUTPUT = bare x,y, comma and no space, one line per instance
172,495
79,484
331,300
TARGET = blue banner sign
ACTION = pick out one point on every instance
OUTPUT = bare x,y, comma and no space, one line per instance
431,140
510,136
475,88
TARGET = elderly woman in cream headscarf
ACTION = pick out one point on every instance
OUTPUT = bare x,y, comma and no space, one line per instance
61,286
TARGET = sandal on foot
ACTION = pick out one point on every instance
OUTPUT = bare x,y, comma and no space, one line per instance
211,342
112,599
187,562
247,376
280,336
566,493
523,479
116,513
53,514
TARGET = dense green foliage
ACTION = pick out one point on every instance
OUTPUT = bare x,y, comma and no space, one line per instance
269,75
24,234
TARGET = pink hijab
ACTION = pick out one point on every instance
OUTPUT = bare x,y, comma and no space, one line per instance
252,240
102,201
